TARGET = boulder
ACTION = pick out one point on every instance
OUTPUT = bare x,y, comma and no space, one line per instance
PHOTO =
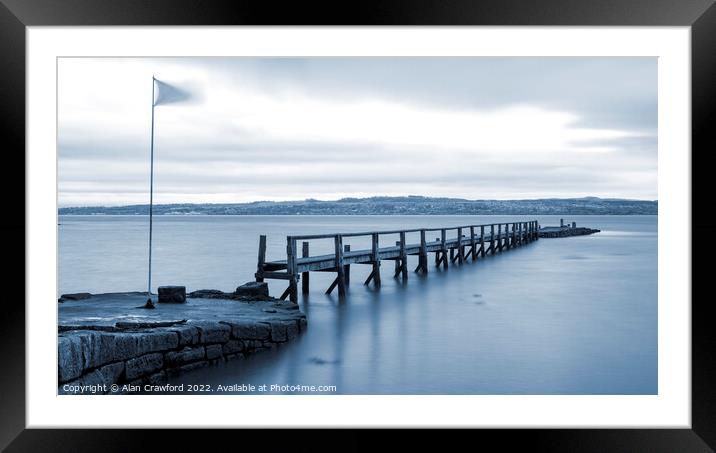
253,289
172,294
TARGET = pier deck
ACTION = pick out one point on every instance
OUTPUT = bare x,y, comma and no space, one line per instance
468,242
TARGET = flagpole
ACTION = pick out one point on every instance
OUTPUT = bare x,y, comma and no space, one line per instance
151,200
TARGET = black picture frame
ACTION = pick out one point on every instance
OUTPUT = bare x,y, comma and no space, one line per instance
700,15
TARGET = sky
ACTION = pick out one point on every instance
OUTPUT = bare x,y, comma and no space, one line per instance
325,128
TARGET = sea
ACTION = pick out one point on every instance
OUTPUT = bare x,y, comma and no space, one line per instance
574,315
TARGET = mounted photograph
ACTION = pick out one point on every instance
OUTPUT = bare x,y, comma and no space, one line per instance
357,226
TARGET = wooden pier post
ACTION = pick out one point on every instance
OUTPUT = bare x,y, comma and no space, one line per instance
375,261
423,256
482,241
304,275
340,276
262,258
473,252
499,236
443,248
291,269
492,239
397,262
403,256
347,267
460,249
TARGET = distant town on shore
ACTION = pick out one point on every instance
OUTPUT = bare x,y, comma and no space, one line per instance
410,205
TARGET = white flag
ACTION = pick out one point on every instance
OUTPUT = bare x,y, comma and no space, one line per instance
169,94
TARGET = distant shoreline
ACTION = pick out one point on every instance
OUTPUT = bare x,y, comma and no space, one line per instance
411,205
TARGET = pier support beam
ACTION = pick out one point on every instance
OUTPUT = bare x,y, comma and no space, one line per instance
492,239
423,255
473,243
375,261
304,275
403,255
460,247
482,241
291,255
340,275
347,267
499,236
262,258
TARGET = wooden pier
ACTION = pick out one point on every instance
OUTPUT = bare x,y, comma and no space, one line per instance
455,244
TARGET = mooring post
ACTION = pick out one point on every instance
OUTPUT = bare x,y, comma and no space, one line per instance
291,269
459,246
482,241
347,267
304,275
403,256
443,248
340,277
473,252
423,260
262,258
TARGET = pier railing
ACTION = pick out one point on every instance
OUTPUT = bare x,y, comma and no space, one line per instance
470,242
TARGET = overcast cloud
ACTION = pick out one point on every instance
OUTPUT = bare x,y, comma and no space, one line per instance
326,128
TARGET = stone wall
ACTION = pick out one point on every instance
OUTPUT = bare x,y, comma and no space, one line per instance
91,361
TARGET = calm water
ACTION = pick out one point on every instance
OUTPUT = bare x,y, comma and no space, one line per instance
558,316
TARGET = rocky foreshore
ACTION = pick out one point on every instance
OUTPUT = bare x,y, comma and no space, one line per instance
104,344
561,232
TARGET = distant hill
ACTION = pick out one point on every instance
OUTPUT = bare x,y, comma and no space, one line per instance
410,205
